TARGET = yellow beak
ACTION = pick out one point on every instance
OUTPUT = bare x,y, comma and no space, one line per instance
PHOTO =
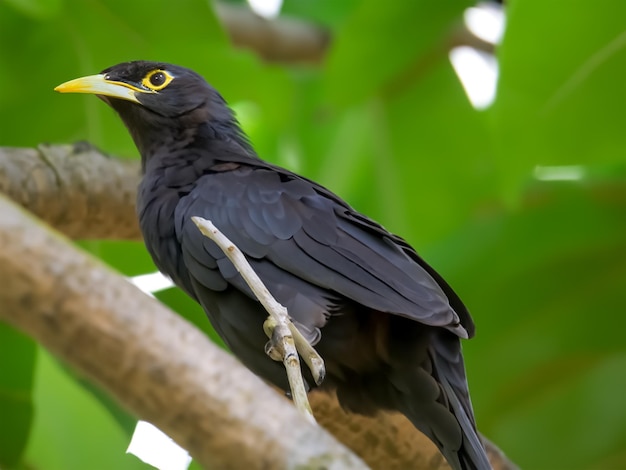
99,85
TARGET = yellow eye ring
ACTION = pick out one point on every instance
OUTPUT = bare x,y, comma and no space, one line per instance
157,79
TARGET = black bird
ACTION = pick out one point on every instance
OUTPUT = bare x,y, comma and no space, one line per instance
386,324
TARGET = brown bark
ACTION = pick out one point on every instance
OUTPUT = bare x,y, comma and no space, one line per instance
154,363
78,190
282,40
290,40
388,441
147,357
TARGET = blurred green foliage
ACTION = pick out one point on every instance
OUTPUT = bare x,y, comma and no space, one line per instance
385,123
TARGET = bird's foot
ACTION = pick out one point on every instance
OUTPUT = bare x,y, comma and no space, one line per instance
282,346
279,334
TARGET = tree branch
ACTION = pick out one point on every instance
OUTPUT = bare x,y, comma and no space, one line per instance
282,40
70,302
290,40
153,362
77,189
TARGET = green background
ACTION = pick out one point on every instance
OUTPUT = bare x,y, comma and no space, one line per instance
385,123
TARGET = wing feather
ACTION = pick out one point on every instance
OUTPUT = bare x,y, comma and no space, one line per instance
309,235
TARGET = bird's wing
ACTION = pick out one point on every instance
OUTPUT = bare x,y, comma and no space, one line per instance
299,237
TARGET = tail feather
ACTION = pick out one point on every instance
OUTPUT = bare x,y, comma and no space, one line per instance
449,371
436,400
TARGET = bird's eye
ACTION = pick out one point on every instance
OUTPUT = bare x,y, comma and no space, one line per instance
157,80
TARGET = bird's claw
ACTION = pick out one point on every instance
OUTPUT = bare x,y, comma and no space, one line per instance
272,351
275,349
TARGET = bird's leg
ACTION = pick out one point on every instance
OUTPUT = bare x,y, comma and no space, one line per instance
309,354
304,348
282,347
286,341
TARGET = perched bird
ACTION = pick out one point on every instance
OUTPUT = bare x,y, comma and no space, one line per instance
387,325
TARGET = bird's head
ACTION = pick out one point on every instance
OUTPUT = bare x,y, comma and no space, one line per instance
159,88
155,99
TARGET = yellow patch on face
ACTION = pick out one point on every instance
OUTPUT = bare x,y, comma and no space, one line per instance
157,79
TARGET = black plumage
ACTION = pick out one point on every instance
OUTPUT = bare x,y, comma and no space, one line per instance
386,324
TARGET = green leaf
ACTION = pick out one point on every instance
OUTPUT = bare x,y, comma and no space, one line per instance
125,420
584,414
377,43
194,466
560,97
18,355
438,154
547,286
84,39
37,9
189,309
71,428
128,257
324,12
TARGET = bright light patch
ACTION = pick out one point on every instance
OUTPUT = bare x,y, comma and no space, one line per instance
154,448
486,21
266,8
559,173
152,282
478,73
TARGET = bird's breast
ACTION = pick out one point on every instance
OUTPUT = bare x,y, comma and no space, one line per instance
157,199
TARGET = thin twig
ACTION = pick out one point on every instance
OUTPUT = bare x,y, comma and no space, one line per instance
286,341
